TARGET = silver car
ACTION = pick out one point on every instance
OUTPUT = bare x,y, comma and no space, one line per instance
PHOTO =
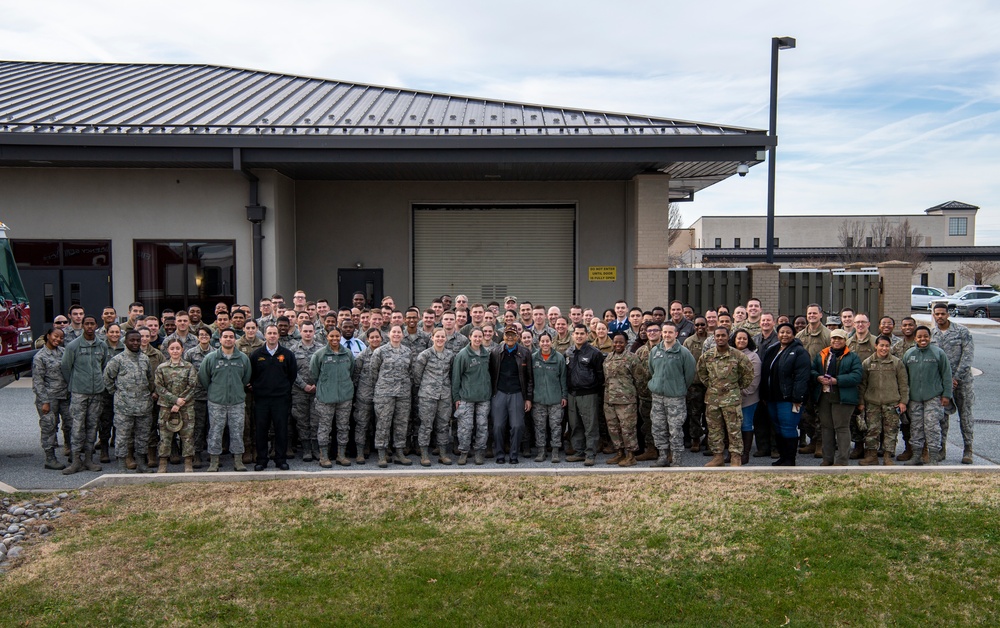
968,297
979,308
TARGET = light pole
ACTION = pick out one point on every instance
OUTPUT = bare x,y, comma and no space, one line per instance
777,43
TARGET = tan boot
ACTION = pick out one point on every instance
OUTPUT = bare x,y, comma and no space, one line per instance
188,464
628,460
650,453
151,457
887,460
130,459
906,455
819,447
871,458
717,460
324,459
736,460
618,457
924,456
808,449
163,465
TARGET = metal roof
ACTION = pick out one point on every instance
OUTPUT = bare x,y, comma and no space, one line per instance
201,116
951,205
96,98
932,253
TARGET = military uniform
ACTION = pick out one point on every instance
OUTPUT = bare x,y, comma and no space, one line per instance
332,371
456,342
173,382
155,360
472,389
105,427
431,373
82,367
364,394
956,342
195,356
50,388
549,394
864,349
695,396
751,327
302,402
645,405
884,385
561,345
129,376
724,376
225,379
622,371
930,379
671,375
392,395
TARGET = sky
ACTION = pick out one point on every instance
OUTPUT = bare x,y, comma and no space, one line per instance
883,107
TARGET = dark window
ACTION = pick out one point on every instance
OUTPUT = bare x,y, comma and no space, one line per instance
756,243
951,280
776,243
958,226
736,243
67,253
718,243
868,241
849,242
36,253
909,241
179,274
924,279
888,241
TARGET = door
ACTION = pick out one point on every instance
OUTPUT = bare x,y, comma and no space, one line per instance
365,280
44,295
91,288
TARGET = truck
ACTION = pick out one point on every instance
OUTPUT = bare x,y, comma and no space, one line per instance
16,347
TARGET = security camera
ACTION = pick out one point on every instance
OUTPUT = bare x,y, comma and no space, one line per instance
742,170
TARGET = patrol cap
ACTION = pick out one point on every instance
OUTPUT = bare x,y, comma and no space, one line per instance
832,320
509,298
838,333
510,329
174,423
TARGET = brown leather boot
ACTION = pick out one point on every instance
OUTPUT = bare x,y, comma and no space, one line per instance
887,460
618,457
151,457
858,452
628,460
188,464
736,461
810,448
871,458
105,458
924,456
650,453
717,461
163,465
130,460
906,455
819,447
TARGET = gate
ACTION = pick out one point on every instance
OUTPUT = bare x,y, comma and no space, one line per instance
831,289
705,288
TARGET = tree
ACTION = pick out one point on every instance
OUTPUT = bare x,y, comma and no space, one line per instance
980,271
675,227
889,241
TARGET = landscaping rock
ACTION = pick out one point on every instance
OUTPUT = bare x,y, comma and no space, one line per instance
14,552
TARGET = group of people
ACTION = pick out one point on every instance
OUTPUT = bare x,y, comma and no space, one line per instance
462,380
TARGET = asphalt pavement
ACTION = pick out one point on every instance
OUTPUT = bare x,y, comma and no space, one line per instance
21,457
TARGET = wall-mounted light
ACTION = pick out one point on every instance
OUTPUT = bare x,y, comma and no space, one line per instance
358,265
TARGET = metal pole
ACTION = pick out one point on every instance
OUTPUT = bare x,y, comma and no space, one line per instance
771,130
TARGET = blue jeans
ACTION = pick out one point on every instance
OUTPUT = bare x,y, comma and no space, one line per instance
785,421
748,412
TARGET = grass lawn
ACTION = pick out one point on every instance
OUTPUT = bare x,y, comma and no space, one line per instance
693,549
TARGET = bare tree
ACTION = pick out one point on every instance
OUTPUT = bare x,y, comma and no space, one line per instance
903,244
979,271
675,227
851,237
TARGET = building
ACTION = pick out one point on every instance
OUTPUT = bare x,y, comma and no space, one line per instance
936,241
181,184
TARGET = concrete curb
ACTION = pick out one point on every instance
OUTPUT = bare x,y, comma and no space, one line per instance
268,476
7,488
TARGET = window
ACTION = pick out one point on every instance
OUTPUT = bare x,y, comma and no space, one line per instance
776,243
958,226
180,274
66,253
868,241
920,292
924,279
736,243
888,241
756,243
909,241
849,241
951,280
718,243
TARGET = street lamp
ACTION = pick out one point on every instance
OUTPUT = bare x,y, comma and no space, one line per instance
777,43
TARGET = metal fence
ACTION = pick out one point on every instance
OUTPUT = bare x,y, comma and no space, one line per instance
705,288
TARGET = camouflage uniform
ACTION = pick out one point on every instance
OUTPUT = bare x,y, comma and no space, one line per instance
50,388
155,360
752,328
129,377
899,348
188,342
418,342
884,385
724,375
364,394
431,373
930,378
171,383
195,356
645,397
105,427
302,402
695,398
392,395
333,373
549,394
863,350
82,367
670,371
621,372
456,342
472,370
956,342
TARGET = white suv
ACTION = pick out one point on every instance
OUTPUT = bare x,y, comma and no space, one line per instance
920,296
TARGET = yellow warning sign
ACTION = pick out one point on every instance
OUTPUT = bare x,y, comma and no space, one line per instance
602,273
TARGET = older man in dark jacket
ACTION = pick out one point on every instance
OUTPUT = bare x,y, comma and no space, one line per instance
513,387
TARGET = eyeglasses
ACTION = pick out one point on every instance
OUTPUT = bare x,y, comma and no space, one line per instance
700,324
60,322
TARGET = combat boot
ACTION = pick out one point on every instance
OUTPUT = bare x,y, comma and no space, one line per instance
871,458
247,457
189,464
541,455
141,466
163,465
628,460
661,461
238,464
915,460
650,453
556,457
811,448
89,464
324,460
717,461
906,455
736,461
51,462
858,452
924,456
67,450
130,459
152,457
196,462
360,459
382,462
934,459
463,458
887,460
314,446
105,458
819,447
122,466
443,456
213,464
342,456
967,455
307,455
941,453
618,457
747,444
425,457
175,456
480,457
399,458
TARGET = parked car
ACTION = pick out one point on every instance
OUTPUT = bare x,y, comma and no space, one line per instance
964,298
920,296
979,308
973,286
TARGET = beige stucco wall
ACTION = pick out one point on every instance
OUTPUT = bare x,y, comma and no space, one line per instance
123,205
340,223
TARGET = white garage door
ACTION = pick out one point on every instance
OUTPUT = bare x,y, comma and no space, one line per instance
490,252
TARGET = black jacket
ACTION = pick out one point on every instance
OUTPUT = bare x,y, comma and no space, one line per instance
525,373
272,375
789,379
584,370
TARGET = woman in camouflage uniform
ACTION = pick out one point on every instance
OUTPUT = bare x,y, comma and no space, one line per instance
51,393
196,355
176,382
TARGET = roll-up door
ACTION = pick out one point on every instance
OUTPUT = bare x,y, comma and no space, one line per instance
490,252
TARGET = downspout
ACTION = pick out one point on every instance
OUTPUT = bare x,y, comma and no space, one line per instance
255,214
